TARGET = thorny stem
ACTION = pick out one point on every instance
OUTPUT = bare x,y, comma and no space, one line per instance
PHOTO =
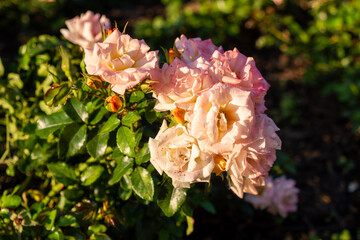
7,151
96,96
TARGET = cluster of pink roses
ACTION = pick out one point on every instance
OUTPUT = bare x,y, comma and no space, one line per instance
216,98
279,196
219,99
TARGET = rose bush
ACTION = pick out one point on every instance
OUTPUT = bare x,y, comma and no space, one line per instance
116,142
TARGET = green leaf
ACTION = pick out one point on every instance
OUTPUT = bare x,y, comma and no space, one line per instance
136,96
50,123
50,220
63,173
91,174
50,94
97,115
121,168
76,110
99,236
96,147
170,199
94,104
143,155
125,140
72,194
56,234
96,228
208,206
138,136
150,113
72,139
130,118
36,208
65,221
111,124
10,201
142,183
62,95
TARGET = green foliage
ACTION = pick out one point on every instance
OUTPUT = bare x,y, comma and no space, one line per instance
201,18
325,34
82,172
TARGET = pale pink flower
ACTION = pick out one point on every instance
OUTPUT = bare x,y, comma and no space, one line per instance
265,196
285,198
234,68
223,115
252,159
120,60
279,196
85,30
177,84
175,152
193,48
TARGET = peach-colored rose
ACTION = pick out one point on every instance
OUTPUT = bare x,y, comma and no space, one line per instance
223,115
120,60
193,48
177,84
280,196
234,68
175,152
252,159
85,30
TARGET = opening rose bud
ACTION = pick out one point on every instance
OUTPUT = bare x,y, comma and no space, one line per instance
110,31
179,115
173,54
220,165
93,82
114,103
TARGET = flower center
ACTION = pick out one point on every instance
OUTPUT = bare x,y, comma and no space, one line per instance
220,165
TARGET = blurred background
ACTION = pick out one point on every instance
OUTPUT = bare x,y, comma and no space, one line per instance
309,51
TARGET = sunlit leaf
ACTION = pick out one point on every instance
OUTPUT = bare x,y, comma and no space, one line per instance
123,164
142,183
63,173
170,199
72,139
76,110
125,140
50,123
96,147
130,118
91,174
111,124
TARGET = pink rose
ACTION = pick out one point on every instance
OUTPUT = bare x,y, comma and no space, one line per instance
85,30
175,152
252,159
193,48
265,196
177,84
285,198
279,196
234,68
223,115
120,60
